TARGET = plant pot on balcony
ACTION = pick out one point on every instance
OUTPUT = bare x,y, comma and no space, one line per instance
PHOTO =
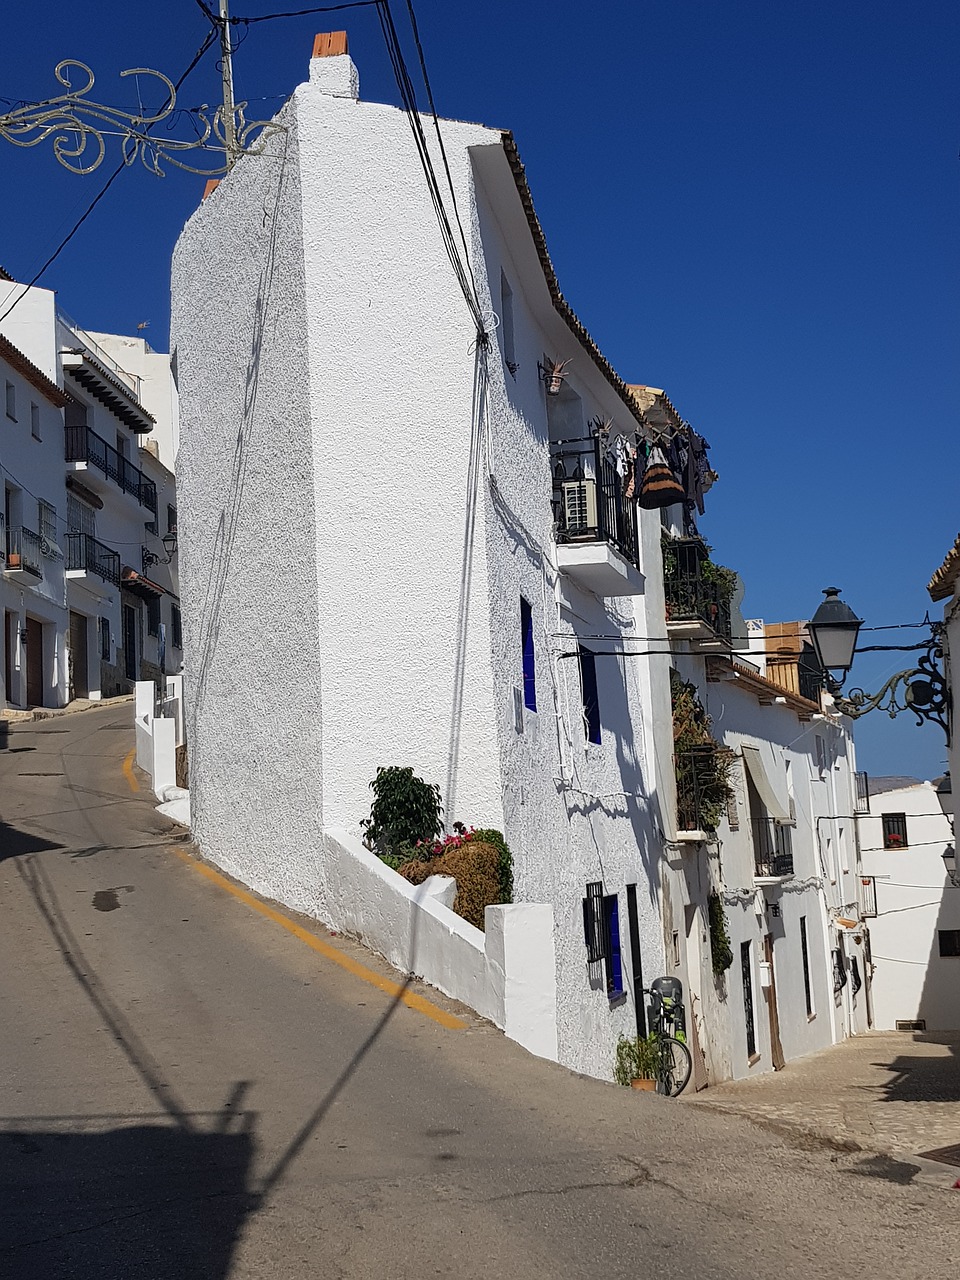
640,1083
13,560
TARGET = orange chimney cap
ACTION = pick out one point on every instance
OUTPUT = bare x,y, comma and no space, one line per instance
329,44
210,188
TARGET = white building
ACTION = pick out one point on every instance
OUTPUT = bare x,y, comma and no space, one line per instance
403,546
915,937
94,582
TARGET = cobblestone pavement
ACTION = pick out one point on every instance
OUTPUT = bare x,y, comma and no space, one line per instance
894,1093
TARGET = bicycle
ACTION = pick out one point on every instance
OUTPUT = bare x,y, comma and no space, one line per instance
668,1026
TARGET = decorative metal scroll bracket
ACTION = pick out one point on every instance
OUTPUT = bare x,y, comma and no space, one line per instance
921,690
79,127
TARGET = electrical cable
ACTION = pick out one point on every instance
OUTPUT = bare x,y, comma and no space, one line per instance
303,13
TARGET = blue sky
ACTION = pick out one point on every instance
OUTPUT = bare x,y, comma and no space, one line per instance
753,205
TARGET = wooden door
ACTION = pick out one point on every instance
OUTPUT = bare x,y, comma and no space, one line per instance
79,685
770,991
34,662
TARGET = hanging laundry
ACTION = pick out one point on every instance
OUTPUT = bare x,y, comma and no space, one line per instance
659,487
630,488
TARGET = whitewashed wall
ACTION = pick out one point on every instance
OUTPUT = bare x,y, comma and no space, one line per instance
353,581
915,900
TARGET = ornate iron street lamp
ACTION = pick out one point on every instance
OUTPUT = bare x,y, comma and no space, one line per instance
920,689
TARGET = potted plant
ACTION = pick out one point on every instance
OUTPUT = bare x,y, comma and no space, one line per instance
636,1062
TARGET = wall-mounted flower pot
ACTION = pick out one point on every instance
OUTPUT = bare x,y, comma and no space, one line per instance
647,1085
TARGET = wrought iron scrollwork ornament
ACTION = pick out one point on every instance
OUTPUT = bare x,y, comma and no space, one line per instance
922,688
79,128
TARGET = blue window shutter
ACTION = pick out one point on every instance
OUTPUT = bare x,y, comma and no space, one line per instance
591,700
529,664
614,962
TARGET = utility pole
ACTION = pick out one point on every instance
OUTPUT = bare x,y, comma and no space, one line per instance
228,115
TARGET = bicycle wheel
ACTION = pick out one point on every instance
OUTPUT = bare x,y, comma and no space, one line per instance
675,1067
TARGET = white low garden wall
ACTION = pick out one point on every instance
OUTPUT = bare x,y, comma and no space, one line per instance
507,972
157,739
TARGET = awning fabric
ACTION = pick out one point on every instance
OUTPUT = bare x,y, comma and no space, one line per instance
775,806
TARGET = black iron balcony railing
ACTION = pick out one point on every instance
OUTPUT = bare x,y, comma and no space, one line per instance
701,789
861,801
85,552
84,445
23,551
772,848
690,590
588,498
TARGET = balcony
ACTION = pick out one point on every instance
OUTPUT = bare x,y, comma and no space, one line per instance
24,556
702,791
861,801
772,851
596,525
85,446
86,555
698,594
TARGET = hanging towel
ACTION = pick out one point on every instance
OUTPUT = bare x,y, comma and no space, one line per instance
660,487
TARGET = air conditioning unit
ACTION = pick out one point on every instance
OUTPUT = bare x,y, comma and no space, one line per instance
580,508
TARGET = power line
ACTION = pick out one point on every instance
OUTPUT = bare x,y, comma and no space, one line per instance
302,13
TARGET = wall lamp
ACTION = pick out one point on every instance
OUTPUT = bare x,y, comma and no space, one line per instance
169,541
949,856
833,632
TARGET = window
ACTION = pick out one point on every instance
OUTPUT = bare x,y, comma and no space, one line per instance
176,627
746,973
949,940
105,639
894,830
171,519
588,690
123,445
35,421
805,956
81,518
47,520
613,960
593,922
529,663
11,401
506,326
821,747
153,616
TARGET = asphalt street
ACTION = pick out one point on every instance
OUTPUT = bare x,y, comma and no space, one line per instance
191,1090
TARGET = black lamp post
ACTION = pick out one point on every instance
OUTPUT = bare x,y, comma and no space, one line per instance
834,629
169,541
945,795
949,856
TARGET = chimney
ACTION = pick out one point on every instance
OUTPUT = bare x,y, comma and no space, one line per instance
332,70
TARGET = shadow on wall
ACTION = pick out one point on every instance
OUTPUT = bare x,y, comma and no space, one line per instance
940,997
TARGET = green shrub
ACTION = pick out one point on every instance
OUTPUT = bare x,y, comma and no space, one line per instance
405,810
475,865
720,948
637,1059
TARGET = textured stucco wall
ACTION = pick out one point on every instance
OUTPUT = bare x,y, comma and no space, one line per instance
248,565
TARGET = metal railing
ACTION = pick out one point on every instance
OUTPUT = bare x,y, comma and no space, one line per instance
130,380
689,590
85,552
772,848
84,445
861,793
589,503
699,791
23,551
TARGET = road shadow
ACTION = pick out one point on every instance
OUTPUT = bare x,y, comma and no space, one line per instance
14,843
920,1077
134,1199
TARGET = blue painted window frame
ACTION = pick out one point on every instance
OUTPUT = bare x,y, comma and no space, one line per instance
613,960
529,657
590,696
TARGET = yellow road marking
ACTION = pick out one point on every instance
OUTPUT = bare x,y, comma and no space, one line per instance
388,987
128,773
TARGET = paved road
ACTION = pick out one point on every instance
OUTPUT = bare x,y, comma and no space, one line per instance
188,1090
